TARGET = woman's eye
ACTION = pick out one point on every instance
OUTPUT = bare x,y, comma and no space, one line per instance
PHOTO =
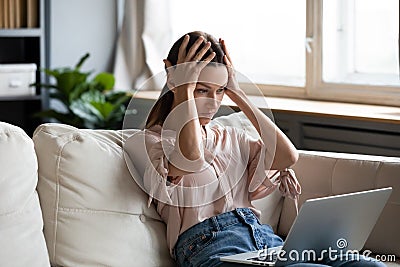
201,91
220,91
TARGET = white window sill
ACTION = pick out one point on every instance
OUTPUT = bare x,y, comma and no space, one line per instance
376,113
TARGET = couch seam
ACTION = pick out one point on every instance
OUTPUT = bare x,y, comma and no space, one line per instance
13,131
43,129
56,206
386,159
21,210
376,174
85,210
106,212
333,172
57,200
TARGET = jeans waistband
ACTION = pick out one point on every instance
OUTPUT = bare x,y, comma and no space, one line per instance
218,222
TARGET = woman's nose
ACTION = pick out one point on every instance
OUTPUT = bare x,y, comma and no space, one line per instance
212,102
213,95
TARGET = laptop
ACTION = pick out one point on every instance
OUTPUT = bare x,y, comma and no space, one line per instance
334,224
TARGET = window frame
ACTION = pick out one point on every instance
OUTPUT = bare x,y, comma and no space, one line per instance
315,88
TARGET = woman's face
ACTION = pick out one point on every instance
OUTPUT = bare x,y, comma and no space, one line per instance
210,91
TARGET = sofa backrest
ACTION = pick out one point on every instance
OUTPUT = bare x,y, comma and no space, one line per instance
21,238
94,212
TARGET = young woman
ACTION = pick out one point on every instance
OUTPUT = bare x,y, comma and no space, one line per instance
203,178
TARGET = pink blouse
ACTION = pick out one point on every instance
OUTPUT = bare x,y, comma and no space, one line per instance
234,176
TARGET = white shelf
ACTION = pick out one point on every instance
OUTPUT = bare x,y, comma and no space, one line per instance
23,32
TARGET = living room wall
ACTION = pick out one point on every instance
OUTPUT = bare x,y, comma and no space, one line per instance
77,27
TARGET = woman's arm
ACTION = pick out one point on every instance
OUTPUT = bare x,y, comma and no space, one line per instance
188,156
282,152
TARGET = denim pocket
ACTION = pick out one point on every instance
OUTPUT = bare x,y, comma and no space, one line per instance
197,244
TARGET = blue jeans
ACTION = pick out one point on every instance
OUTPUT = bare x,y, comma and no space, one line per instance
235,232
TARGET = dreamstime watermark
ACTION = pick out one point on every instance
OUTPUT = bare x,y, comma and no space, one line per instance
333,254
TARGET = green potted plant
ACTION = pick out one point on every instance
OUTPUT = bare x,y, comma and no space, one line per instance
89,103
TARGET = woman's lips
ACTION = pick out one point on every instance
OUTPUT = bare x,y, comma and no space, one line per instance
206,115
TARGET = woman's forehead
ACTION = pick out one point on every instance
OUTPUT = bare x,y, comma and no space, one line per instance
214,74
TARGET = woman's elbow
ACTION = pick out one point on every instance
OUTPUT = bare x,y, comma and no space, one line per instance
193,162
284,160
194,155
293,157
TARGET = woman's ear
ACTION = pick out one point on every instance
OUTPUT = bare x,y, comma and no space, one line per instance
167,63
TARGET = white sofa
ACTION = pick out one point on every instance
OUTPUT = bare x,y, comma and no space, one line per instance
94,213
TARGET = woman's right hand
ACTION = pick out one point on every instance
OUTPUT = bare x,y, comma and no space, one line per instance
189,65
232,86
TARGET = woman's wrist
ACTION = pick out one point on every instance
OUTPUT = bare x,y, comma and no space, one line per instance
184,92
239,97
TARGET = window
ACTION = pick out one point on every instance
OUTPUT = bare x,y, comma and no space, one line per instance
263,45
360,42
342,50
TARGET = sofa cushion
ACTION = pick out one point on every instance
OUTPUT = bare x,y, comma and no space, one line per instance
21,238
94,212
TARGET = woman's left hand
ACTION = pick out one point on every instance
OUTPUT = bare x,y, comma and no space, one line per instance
232,86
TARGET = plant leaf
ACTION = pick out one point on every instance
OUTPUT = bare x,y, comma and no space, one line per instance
93,95
78,91
59,96
105,109
106,80
87,112
81,61
119,100
116,97
84,108
117,115
68,80
54,73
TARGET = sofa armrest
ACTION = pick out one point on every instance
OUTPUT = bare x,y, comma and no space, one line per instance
21,238
326,173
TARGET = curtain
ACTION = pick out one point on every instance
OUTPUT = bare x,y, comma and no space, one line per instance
143,42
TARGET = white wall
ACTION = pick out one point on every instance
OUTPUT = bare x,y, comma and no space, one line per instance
80,26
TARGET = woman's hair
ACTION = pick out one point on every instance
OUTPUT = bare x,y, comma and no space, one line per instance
163,106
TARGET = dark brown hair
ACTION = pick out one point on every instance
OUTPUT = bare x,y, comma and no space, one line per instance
163,106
